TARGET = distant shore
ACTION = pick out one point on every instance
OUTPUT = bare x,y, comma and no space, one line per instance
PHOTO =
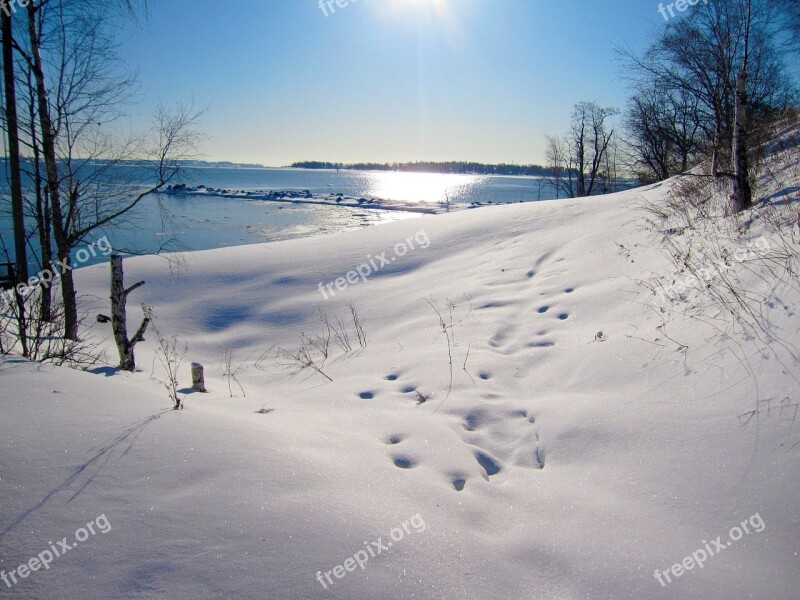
443,168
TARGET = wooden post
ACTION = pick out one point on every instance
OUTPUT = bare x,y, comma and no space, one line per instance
198,380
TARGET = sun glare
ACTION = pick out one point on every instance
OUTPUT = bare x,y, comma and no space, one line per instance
439,7
441,16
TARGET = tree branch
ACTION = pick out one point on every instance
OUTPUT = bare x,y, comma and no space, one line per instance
133,287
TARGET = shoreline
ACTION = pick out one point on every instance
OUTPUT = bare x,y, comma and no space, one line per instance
307,197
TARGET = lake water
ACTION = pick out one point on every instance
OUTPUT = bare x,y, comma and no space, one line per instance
205,222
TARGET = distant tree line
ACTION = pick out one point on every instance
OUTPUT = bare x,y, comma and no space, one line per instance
451,167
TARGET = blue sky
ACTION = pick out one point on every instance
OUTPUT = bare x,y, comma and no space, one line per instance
384,80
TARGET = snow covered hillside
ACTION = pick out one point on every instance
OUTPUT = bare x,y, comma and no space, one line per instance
526,419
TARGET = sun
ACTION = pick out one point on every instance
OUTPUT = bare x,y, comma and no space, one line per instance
440,17
437,6
418,2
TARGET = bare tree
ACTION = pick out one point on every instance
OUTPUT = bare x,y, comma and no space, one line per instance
664,131
577,160
78,97
587,143
558,164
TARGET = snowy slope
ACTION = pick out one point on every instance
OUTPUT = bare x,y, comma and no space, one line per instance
557,463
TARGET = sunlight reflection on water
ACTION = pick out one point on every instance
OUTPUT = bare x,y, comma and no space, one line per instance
421,187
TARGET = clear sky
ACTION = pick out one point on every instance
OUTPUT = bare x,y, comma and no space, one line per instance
384,80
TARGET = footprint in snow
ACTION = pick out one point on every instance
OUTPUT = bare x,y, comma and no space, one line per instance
489,464
541,344
404,462
474,420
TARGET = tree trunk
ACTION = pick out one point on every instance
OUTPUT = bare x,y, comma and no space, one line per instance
62,240
17,215
742,197
12,125
68,295
119,318
43,220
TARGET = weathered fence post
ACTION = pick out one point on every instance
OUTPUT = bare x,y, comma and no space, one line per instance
198,380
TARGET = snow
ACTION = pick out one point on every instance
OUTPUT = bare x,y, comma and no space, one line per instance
588,461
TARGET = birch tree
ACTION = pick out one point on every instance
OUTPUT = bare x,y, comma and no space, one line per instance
78,97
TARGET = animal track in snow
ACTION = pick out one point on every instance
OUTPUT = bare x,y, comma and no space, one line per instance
495,304
540,344
403,389
540,457
474,420
541,260
459,481
366,395
506,337
530,453
501,336
489,464
404,462
499,436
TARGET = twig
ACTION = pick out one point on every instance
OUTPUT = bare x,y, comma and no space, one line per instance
469,346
